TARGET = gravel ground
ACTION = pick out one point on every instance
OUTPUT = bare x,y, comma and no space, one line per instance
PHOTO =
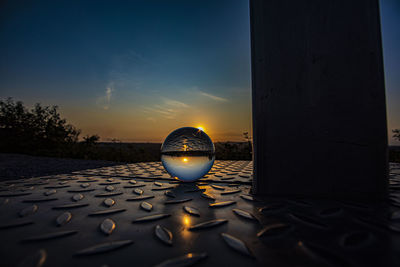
14,166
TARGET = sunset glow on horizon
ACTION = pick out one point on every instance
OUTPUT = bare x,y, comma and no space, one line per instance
130,72
127,71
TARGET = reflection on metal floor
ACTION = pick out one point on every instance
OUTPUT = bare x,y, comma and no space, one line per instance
222,171
135,215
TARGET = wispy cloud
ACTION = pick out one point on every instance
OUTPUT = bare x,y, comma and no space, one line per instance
213,97
168,109
105,100
162,111
174,103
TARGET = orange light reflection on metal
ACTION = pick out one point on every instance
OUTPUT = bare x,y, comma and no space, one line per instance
186,220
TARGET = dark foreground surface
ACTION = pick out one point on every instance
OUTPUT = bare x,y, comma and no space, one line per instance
14,166
70,220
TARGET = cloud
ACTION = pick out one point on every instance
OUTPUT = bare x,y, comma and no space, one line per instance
109,91
213,97
168,109
105,100
164,112
174,103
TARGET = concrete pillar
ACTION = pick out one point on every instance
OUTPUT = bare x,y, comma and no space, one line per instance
319,112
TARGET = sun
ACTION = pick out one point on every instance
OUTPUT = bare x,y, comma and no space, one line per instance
201,128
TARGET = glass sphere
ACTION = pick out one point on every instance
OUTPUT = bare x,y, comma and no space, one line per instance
187,154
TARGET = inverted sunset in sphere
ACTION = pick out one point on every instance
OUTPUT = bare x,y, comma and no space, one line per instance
187,154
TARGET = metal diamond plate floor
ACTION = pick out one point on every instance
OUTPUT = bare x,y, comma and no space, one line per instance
136,215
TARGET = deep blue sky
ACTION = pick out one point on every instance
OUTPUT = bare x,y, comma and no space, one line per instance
390,23
136,70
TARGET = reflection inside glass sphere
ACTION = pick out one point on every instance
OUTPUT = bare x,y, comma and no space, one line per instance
187,154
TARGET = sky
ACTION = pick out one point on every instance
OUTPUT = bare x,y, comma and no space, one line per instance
137,70
390,27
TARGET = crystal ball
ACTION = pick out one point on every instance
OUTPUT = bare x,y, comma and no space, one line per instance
187,154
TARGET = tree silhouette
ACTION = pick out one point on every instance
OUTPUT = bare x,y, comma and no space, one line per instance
396,134
35,131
